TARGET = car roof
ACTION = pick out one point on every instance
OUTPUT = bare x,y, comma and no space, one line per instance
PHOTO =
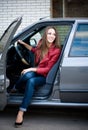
63,19
51,20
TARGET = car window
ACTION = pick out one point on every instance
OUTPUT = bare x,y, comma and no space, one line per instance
35,39
63,31
79,46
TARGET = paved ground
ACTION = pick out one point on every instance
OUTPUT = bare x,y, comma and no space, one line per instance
46,119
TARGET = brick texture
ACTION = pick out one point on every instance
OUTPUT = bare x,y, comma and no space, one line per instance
30,10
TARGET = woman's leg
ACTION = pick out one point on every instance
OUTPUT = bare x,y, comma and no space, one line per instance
22,80
19,119
29,90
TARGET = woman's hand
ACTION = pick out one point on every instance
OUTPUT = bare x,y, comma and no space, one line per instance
21,42
25,44
28,70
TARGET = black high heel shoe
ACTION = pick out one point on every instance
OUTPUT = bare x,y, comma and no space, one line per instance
17,125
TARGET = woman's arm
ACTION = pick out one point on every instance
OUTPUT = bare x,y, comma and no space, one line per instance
25,44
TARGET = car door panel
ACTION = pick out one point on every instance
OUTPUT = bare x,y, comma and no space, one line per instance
4,45
74,69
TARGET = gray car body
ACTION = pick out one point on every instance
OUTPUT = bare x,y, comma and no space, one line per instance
70,85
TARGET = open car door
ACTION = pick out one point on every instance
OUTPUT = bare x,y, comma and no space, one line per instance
5,41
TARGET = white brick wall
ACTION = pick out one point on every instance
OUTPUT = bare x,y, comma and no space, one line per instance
31,10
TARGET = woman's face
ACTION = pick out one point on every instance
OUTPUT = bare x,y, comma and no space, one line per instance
51,35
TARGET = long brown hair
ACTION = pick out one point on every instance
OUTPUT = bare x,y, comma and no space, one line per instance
43,47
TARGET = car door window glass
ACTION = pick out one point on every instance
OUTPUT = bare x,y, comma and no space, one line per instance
63,31
80,43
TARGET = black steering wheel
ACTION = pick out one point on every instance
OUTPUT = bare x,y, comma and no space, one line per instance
23,53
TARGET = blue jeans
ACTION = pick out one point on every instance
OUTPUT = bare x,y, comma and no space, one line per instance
31,80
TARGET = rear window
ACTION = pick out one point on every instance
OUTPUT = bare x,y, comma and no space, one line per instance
79,46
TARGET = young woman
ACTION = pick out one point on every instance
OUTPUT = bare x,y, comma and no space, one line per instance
46,54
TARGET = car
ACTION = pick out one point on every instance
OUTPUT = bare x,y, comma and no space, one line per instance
67,81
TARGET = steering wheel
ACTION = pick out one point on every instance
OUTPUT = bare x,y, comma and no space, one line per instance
23,53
